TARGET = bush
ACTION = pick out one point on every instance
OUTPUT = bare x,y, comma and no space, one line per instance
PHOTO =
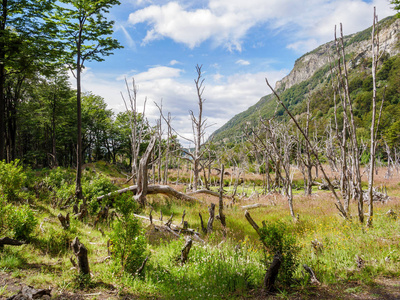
276,236
128,244
12,178
21,221
94,187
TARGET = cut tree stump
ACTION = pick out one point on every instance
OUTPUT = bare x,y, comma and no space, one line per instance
81,253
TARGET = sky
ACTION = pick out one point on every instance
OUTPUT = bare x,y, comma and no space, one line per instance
238,43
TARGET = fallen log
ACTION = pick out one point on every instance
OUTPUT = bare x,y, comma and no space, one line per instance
172,226
251,206
9,241
153,189
204,191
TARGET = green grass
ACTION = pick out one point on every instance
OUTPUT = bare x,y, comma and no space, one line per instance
222,268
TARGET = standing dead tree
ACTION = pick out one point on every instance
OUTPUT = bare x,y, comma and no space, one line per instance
142,181
199,126
136,124
338,204
348,110
374,127
304,156
278,143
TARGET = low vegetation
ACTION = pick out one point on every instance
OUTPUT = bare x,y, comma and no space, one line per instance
344,254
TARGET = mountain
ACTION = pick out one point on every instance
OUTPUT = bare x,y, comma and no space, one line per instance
310,78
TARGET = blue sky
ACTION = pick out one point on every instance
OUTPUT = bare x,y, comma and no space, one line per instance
238,43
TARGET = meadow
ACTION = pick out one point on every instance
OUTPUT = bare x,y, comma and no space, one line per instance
349,259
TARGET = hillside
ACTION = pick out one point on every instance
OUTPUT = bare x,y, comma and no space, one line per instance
310,76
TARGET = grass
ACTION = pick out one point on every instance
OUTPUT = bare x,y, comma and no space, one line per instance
224,267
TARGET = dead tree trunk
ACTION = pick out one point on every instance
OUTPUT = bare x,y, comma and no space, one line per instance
221,202
185,251
211,211
81,253
142,174
64,220
272,273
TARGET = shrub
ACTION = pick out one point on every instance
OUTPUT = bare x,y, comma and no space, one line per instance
12,178
21,221
277,237
128,244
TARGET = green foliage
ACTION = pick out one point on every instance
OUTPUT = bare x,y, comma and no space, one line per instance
94,186
210,273
396,6
59,177
278,238
12,178
128,244
58,240
19,221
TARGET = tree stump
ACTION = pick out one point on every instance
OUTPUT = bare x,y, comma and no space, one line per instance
81,252
211,211
64,220
272,273
185,251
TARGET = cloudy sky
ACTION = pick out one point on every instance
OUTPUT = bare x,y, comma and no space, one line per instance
237,42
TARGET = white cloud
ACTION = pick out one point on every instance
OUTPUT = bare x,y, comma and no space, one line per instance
242,62
131,43
303,46
226,22
174,62
225,97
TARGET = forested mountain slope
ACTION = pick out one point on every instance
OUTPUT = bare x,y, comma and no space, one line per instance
311,79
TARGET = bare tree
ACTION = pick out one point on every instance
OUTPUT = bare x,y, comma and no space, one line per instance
199,127
374,127
136,125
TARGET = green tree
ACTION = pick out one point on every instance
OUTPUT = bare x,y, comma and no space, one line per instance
86,36
396,6
24,31
97,120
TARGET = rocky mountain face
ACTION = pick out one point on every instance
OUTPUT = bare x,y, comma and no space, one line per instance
311,73
359,44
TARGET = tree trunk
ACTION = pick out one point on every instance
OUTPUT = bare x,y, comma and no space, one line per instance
185,251
221,202
211,211
142,173
272,273
3,20
78,187
81,252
